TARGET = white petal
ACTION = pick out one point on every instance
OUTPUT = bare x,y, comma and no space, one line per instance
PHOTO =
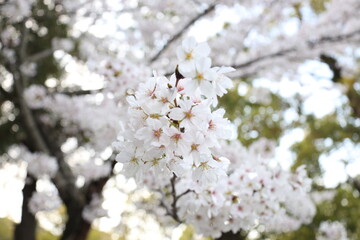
177,114
180,53
187,68
203,64
226,69
207,88
189,44
202,50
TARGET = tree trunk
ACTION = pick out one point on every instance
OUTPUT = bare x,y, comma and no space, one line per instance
76,227
78,231
26,229
232,236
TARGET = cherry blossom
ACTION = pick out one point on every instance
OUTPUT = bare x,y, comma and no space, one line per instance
94,210
331,231
178,145
16,10
168,132
44,201
41,165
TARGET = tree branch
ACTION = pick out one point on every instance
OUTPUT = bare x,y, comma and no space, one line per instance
173,204
27,227
81,92
77,227
40,55
209,9
24,42
64,179
241,235
262,58
172,211
310,43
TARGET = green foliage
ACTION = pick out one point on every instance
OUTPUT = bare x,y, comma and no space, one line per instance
322,136
307,154
49,27
329,129
6,232
303,233
45,235
6,229
256,120
318,5
96,234
189,234
8,136
297,8
344,208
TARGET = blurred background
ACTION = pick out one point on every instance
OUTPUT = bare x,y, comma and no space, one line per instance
67,66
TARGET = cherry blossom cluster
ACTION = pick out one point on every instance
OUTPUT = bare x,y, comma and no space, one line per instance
173,139
332,231
94,209
44,201
92,171
174,143
252,193
255,34
322,196
119,75
9,38
172,129
78,112
16,10
40,164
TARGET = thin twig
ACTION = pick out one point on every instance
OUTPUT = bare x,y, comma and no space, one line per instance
183,194
262,58
311,44
173,204
81,92
173,211
40,55
209,9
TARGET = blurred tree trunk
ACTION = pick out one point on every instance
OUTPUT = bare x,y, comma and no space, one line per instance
26,229
241,235
76,227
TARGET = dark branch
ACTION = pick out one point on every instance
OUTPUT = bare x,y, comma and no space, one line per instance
40,55
24,42
81,92
173,204
241,235
209,9
172,210
262,58
311,44
26,229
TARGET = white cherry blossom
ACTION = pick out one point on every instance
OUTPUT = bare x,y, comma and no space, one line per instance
44,201
331,231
